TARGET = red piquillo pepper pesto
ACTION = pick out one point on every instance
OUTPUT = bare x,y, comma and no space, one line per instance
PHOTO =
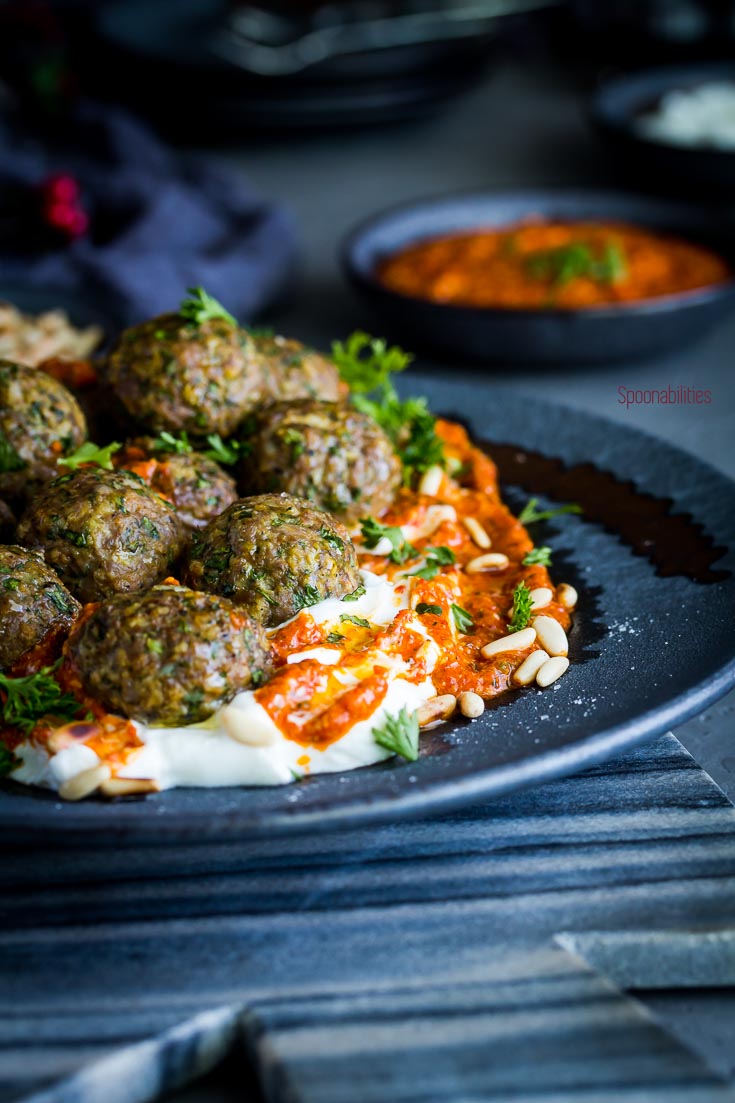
308,700
543,264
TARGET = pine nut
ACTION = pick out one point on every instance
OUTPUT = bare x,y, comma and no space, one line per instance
529,668
566,595
551,635
240,727
541,597
129,786
471,704
551,670
477,532
438,708
431,480
84,783
491,561
514,641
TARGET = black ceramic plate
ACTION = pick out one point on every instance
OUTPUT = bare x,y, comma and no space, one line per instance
648,651
595,335
666,168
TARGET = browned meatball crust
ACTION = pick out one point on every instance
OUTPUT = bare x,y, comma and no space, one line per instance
174,374
291,371
334,455
40,423
33,600
273,555
103,532
168,656
194,483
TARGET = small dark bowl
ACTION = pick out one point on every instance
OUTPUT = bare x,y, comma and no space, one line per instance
618,104
549,336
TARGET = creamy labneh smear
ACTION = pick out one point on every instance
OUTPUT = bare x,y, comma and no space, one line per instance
206,755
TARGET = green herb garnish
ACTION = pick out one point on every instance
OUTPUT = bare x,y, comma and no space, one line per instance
295,439
565,263
201,307
530,513
9,458
304,596
359,621
355,594
436,558
331,538
8,761
225,452
373,532
29,699
522,608
539,557
400,734
168,442
463,620
335,637
366,365
90,453
422,607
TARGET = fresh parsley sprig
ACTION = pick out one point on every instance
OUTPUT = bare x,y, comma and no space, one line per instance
538,557
350,618
225,452
566,263
356,594
522,608
373,532
436,558
366,365
400,734
529,514
462,619
423,609
90,453
169,442
201,307
28,699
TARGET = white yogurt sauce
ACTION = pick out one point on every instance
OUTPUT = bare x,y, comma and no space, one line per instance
206,755
695,117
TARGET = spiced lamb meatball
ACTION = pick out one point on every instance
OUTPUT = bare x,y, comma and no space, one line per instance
103,532
32,602
335,456
171,373
167,656
291,370
40,423
273,555
194,483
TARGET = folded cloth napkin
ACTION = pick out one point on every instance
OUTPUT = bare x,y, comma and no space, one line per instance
159,221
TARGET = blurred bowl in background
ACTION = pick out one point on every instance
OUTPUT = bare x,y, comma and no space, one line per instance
209,70
618,109
538,336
